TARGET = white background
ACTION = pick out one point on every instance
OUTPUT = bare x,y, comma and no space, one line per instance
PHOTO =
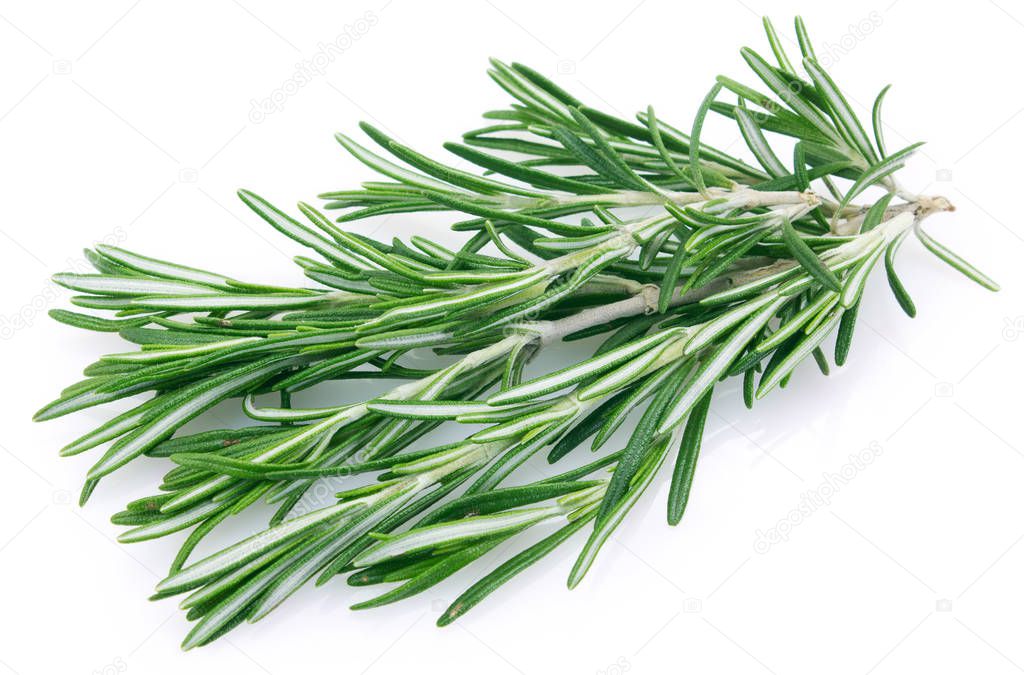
131,122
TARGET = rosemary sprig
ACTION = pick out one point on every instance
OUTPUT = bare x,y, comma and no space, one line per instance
732,270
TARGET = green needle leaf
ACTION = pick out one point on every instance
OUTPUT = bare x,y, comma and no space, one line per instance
686,460
472,596
807,258
777,48
876,119
902,296
804,39
616,514
844,337
953,260
643,441
698,123
844,114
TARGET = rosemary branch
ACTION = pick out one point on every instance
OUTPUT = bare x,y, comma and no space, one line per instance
734,269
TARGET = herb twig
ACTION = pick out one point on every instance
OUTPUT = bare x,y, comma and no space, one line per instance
733,269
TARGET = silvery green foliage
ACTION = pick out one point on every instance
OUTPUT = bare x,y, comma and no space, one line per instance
693,264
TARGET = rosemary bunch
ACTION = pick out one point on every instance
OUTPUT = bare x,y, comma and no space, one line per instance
693,265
